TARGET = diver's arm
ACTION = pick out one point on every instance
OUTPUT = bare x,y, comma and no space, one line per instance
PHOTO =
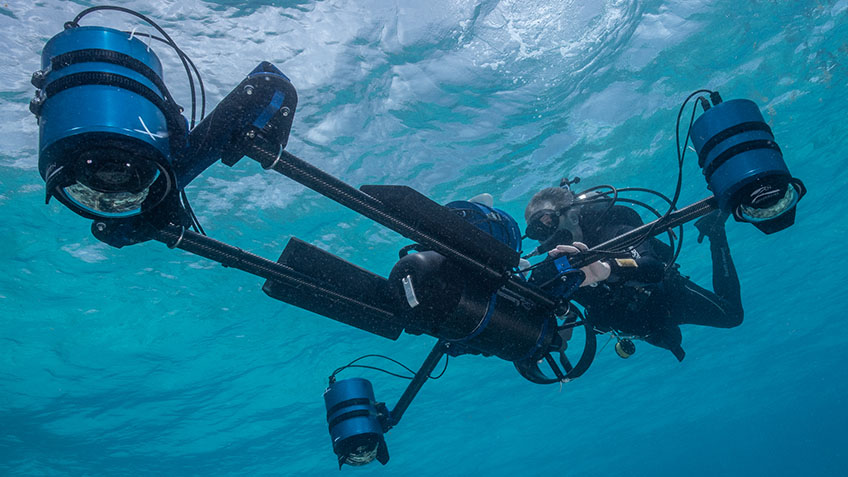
640,265
641,270
725,278
695,305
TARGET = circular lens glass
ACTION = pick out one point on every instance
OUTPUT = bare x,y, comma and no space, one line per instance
759,214
111,181
363,449
109,204
113,170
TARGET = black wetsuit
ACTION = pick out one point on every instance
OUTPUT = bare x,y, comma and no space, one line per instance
649,302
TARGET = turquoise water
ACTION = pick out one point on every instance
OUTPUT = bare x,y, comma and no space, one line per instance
150,361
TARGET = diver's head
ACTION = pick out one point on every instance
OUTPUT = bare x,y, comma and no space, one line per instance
551,216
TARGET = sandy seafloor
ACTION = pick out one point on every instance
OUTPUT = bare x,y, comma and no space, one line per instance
149,361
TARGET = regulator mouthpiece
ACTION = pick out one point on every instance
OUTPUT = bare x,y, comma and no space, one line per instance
744,166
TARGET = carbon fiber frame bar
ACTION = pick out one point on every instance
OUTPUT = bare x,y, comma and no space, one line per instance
651,229
421,376
229,256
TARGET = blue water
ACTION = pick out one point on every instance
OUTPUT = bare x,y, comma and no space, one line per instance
150,361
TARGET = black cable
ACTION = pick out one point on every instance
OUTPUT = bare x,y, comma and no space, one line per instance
677,251
353,364
194,222
680,157
671,238
636,240
682,154
168,39
599,217
447,357
365,366
649,191
652,210
615,198
338,370
193,67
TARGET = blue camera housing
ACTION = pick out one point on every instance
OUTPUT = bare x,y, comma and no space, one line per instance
494,222
736,149
354,422
95,107
102,86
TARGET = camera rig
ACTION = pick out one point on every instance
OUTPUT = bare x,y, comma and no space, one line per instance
125,156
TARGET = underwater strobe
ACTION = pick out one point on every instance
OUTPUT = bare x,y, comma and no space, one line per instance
744,166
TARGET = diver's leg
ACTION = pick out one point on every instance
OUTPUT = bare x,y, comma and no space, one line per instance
695,305
668,337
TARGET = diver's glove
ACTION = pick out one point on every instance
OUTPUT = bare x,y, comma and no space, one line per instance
595,272
712,226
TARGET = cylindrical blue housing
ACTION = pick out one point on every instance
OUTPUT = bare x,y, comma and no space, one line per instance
107,123
98,108
351,410
494,222
736,148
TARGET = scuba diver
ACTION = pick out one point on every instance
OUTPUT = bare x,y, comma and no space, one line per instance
638,292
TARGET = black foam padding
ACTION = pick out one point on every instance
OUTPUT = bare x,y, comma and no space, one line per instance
366,300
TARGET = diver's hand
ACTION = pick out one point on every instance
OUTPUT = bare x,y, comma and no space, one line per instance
595,272
711,225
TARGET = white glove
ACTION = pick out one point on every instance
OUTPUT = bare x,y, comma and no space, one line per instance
595,271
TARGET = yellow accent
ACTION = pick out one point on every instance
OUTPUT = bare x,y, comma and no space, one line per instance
620,351
626,262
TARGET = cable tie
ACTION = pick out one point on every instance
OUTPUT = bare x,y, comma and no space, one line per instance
180,239
274,164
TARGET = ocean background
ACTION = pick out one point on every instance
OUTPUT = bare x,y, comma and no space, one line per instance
151,361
